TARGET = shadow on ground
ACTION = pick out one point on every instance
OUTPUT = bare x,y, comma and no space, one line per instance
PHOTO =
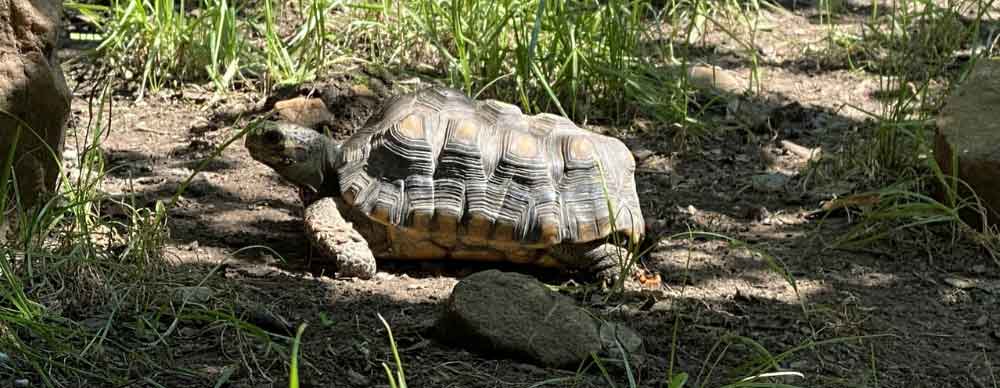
927,332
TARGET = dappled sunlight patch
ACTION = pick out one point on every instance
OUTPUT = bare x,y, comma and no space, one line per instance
770,230
776,288
708,220
759,285
720,269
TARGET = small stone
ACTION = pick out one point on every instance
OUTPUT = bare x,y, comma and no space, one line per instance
663,305
799,365
528,368
979,269
196,95
362,91
94,323
356,379
514,314
832,190
22,383
304,111
655,225
981,321
193,294
202,126
758,214
188,332
960,283
642,153
716,80
232,110
769,183
264,318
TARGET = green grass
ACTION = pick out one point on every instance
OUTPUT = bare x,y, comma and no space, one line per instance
159,43
911,49
397,379
156,42
296,60
293,368
53,253
83,290
591,61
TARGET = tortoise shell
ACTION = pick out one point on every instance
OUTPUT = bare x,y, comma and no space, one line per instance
481,180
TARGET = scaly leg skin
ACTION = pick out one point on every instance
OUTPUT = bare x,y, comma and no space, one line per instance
335,238
601,258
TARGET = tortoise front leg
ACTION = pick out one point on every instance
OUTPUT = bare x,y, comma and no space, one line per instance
335,238
601,258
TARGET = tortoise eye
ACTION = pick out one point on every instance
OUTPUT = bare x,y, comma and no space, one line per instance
273,137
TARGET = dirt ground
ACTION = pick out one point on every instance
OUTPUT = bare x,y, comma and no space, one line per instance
928,310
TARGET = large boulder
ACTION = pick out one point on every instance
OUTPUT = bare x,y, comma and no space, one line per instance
968,131
33,90
511,314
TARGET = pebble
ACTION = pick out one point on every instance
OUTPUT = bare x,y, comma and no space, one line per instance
799,365
642,153
528,368
22,383
663,305
357,379
959,283
769,183
193,294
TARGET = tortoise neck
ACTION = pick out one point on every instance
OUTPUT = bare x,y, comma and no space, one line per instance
330,166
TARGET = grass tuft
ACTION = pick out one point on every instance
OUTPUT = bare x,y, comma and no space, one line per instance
598,62
293,368
397,379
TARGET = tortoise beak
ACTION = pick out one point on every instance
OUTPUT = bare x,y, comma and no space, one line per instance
267,144
294,152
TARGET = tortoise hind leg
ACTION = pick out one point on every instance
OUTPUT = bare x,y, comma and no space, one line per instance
335,238
601,258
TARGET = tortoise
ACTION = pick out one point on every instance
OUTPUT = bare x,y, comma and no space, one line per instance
434,174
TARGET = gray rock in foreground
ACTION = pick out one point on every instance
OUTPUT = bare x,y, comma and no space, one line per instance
510,314
968,133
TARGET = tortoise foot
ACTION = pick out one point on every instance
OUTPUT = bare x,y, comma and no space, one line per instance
335,238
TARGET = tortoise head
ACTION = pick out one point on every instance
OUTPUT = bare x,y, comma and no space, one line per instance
301,155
